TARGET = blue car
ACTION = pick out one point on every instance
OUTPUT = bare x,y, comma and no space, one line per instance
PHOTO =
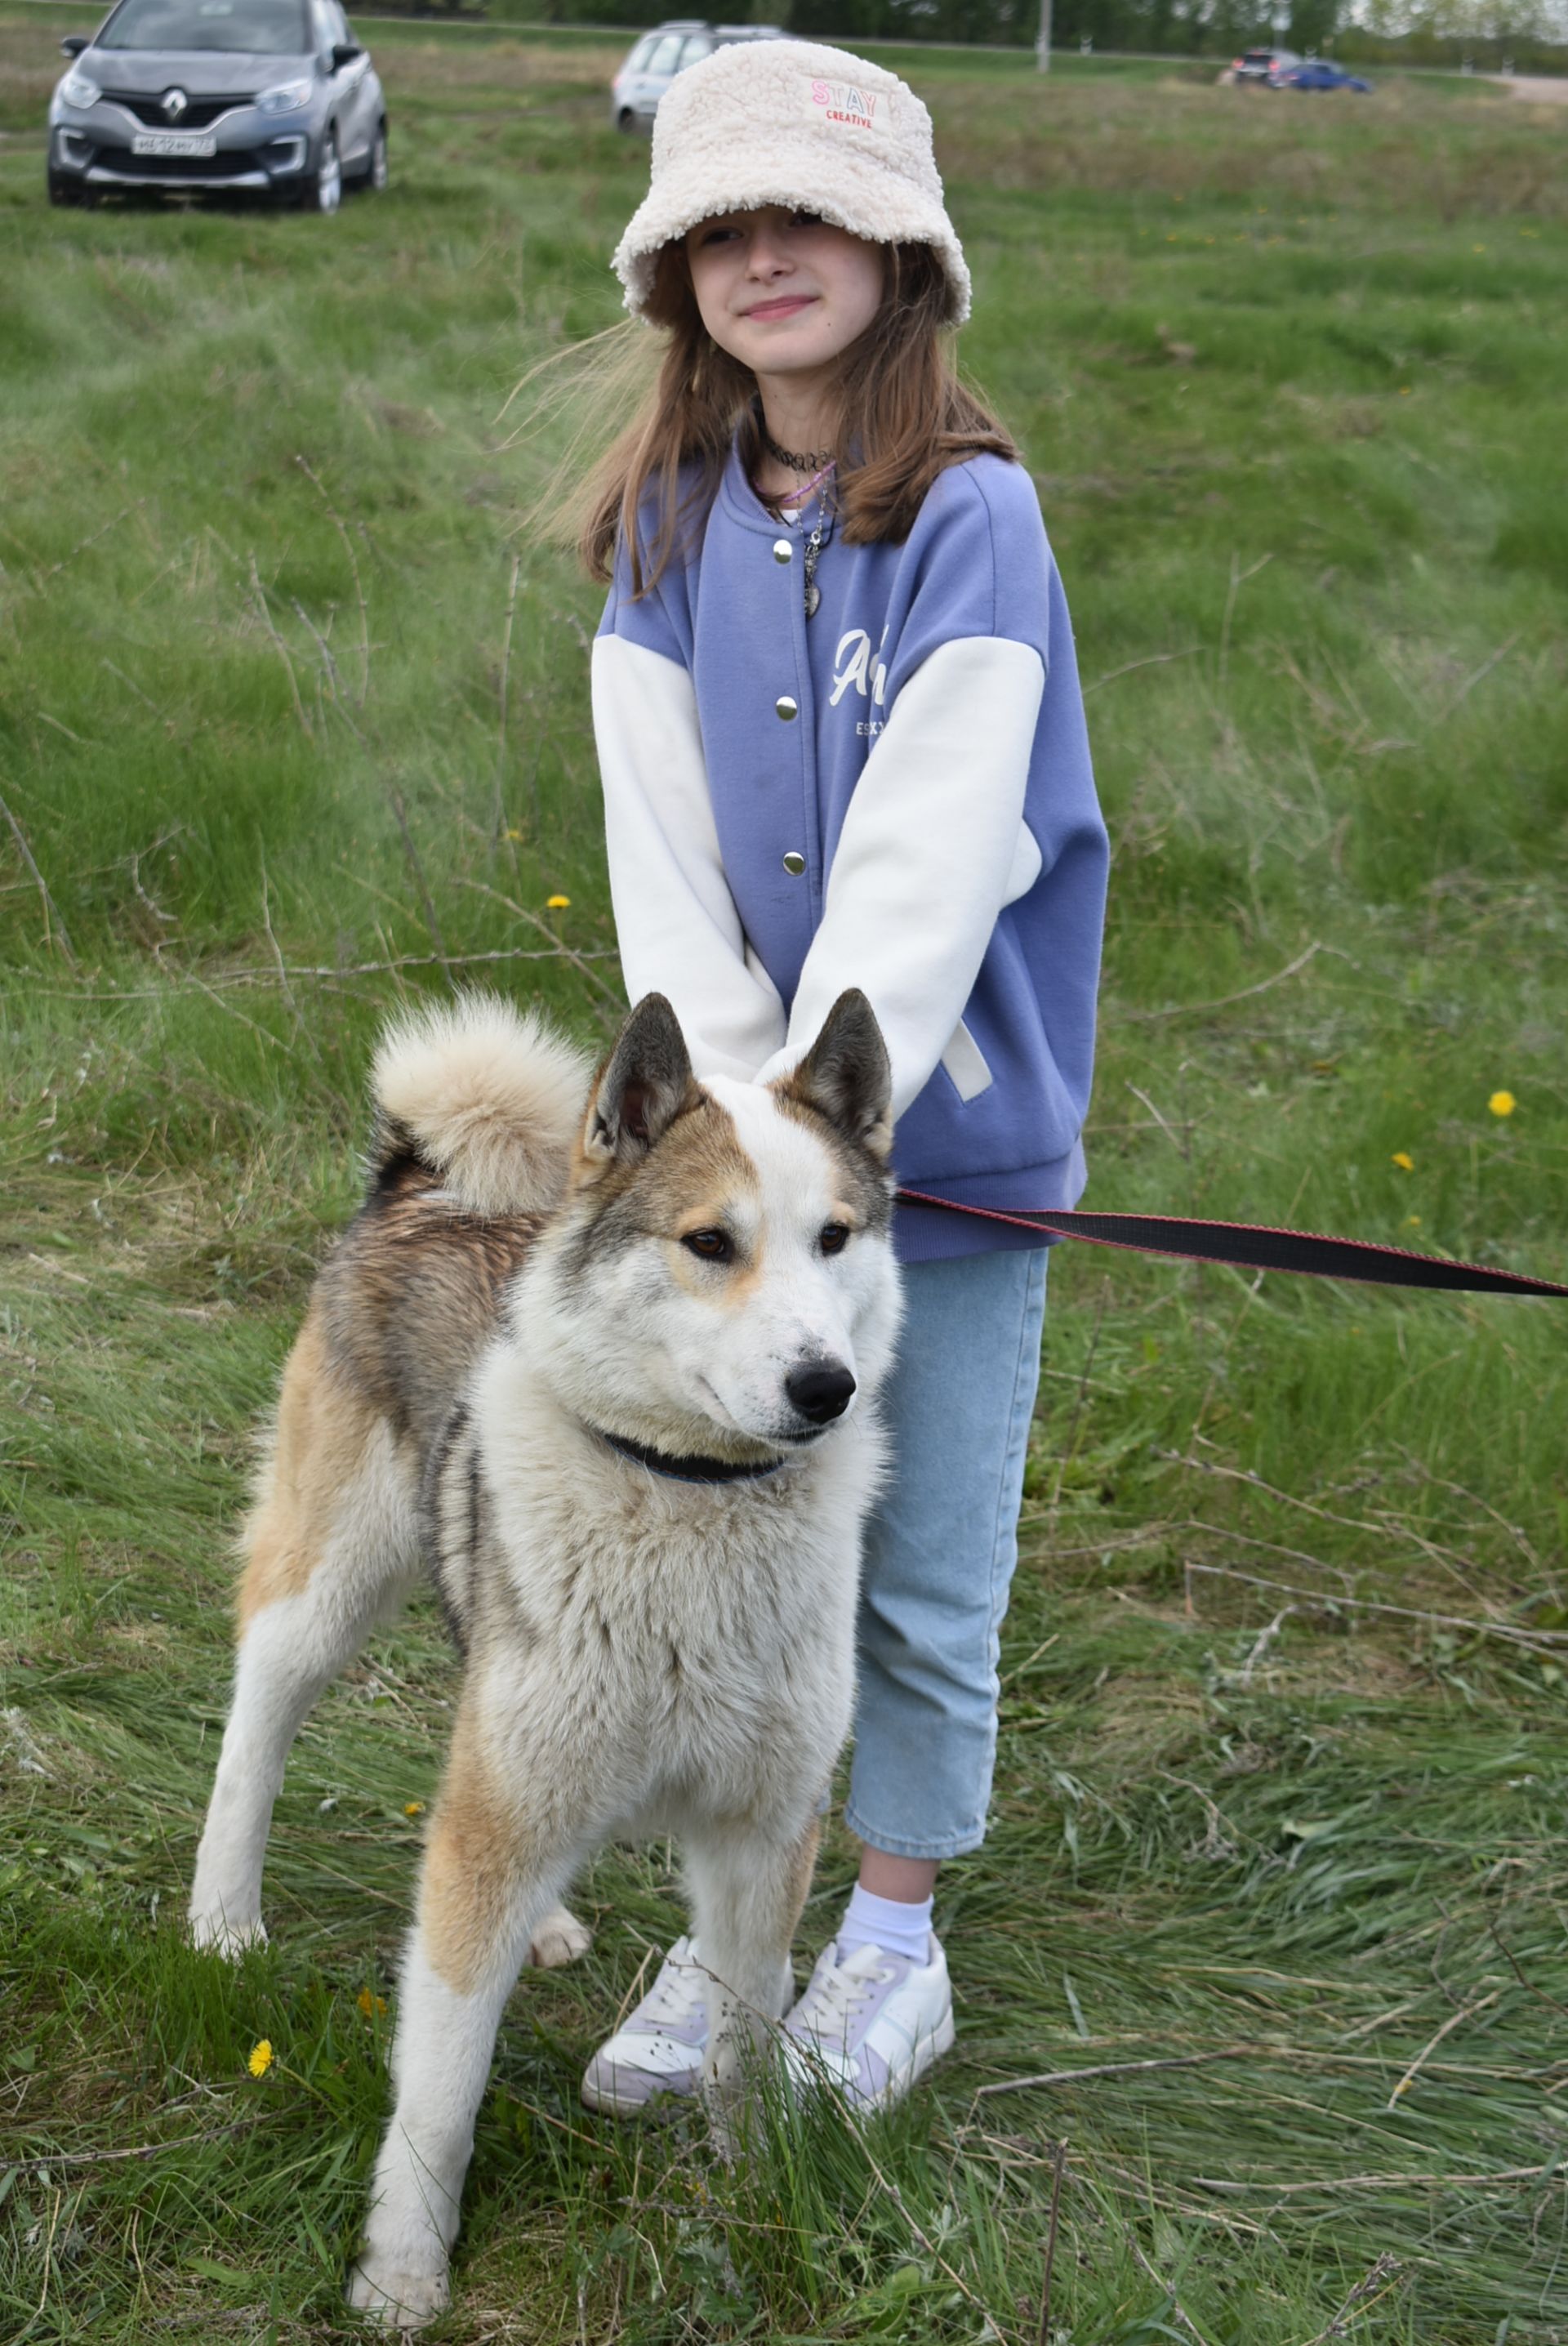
1317,74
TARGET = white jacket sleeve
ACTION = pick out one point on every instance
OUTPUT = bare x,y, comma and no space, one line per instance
675,920
932,847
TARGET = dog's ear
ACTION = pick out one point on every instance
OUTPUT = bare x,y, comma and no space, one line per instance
847,1076
642,1087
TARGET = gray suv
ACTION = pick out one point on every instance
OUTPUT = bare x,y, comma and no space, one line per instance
1264,68
660,55
273,96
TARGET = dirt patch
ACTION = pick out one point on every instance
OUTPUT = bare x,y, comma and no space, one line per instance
1537,89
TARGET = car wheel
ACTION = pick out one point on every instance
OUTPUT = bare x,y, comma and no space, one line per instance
322,188
64,189
377,174
626,121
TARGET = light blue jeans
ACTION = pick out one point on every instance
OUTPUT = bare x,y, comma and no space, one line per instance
940,1548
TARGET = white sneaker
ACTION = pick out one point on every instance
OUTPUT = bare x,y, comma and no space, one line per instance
872,2024
658,2048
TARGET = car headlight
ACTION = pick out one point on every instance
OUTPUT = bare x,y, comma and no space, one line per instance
287,99
79,89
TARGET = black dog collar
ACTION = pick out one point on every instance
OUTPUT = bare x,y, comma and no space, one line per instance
687,1470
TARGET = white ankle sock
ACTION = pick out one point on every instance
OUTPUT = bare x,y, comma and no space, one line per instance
899,1926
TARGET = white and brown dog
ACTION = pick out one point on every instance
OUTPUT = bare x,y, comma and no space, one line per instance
604,1356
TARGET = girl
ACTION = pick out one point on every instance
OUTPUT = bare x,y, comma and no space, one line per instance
843,744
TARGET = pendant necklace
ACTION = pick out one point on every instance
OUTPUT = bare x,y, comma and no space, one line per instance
814,546
823,529
818,464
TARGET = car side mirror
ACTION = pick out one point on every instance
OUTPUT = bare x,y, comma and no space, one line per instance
344,53
75,42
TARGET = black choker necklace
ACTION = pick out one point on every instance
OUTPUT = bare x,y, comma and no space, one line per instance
811,462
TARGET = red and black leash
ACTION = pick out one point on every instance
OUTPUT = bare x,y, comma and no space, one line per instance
1252,1247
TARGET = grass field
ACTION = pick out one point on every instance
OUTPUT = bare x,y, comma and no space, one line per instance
293,722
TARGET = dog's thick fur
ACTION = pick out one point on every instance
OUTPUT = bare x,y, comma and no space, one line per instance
546,1268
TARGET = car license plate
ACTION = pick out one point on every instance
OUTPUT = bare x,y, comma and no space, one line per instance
172,142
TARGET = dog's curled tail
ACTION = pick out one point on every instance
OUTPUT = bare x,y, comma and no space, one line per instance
488,1096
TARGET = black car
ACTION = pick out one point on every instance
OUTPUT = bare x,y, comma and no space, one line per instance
273,96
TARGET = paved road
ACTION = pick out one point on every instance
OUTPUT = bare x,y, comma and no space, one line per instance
1537,89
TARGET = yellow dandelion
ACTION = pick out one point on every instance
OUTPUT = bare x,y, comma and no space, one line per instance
1503,1102
372,2006
514,834
1404,1161
558,903
260,2059
1412,1221
1404,390
413,1808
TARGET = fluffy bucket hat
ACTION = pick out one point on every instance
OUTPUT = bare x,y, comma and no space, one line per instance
793,122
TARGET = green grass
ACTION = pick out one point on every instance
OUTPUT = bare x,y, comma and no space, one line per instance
1288,379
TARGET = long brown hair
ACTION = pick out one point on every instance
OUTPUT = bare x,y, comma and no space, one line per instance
897,412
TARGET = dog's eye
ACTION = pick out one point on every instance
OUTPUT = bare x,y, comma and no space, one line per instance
711,1245
834,1237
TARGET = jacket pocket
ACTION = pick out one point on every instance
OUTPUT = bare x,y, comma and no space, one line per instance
964,1063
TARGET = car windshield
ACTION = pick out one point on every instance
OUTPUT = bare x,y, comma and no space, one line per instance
264,28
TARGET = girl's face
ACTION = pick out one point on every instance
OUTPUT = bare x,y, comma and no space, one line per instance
783,291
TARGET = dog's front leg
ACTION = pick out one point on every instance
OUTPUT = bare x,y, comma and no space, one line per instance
748,1887
490,1874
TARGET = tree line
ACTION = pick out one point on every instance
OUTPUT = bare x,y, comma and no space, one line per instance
1530,35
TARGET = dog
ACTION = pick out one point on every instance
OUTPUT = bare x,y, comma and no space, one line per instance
604,1356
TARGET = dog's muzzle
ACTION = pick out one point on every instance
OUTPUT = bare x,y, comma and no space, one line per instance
821,1392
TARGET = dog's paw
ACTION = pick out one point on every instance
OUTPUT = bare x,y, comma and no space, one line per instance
225,1936
559,1939
397,2301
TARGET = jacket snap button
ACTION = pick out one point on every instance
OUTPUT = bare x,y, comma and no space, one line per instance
782,550
787,707
794,864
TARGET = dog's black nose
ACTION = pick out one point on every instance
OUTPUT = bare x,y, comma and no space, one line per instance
821,1392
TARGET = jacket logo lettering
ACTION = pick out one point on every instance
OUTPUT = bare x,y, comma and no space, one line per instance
855,664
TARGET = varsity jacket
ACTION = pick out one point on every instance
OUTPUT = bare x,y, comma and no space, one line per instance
895,794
